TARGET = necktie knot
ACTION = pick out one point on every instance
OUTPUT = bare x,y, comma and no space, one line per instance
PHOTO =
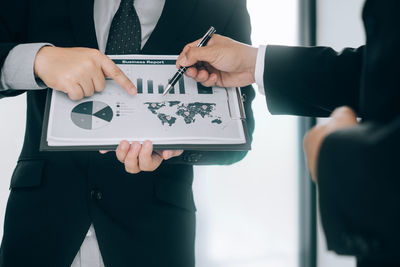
126,3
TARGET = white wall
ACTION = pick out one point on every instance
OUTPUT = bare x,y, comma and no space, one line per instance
339,25
247,213
12,127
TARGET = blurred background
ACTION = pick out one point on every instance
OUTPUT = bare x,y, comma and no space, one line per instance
259,212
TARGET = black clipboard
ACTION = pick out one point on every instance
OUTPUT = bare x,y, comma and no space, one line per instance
44,146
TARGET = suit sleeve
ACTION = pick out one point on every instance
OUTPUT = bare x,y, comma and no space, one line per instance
12,23
18,70
311,81
359,185
238,28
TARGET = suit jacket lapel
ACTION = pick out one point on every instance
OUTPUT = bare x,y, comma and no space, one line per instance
82,22
173,18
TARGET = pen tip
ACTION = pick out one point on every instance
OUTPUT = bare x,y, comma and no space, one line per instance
167,89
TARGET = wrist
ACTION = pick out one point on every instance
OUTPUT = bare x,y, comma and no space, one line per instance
40,59
252,62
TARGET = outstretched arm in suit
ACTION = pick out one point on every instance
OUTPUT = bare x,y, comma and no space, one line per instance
305,81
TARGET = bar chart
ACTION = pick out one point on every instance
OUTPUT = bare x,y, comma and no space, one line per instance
151,88
203,90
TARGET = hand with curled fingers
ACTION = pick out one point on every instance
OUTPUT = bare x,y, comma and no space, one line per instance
341,118
140,157
78,72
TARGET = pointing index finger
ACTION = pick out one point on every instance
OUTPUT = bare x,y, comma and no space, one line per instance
111,70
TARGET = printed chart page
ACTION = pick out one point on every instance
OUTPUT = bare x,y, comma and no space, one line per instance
189,114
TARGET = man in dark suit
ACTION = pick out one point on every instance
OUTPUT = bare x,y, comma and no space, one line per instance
146,219
356,164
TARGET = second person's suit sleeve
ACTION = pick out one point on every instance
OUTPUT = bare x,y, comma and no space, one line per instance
311,81
359,181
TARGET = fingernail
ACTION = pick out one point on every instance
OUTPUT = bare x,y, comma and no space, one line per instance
147,144
124,146
136,146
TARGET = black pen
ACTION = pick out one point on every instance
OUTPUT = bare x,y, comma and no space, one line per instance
182,70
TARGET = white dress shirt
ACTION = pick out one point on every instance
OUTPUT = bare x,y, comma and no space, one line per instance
260,67
149,12
17,73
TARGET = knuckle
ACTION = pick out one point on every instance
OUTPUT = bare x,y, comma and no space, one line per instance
131,169
187,48
96,53
208,83
69,78
146,167
99,84
189,53
115,72
88,64
92,53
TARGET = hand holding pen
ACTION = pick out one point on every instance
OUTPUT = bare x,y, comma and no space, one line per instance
225,62
178,75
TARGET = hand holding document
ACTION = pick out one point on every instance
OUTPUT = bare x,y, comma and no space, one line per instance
190,116
138,157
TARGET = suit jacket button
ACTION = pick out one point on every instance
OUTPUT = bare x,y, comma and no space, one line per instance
92,194
347,242
362,245
99,195
194,157
356,244
96,195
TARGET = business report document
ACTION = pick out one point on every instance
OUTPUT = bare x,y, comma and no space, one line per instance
189,116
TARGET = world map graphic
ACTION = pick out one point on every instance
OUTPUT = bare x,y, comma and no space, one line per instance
188,112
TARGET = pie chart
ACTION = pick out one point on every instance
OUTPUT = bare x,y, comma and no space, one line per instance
91,115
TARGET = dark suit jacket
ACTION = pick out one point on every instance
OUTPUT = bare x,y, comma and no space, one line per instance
146,219
359,176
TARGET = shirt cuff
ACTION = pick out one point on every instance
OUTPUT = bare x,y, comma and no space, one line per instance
18,69
260,66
